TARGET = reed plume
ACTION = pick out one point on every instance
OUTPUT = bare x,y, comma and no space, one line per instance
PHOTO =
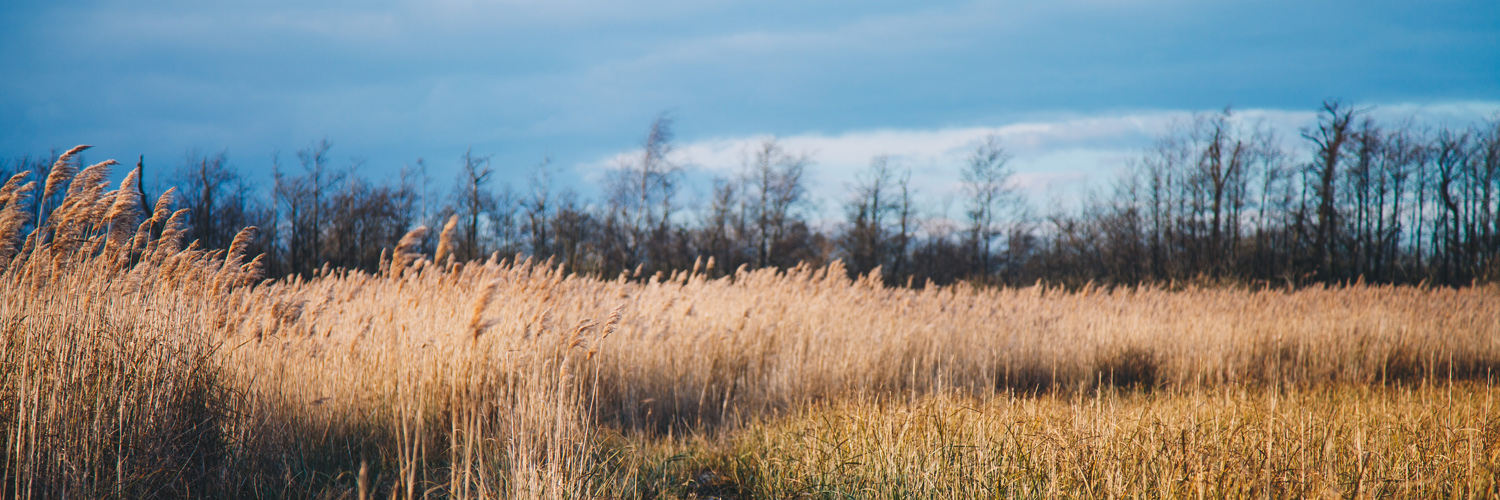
91,178
172,234
477,323
124,213
407,250
142,241
96,217
62,171
239,246
445,240
82,207
9,189
13,217
231,272
180,379
163,207
254,271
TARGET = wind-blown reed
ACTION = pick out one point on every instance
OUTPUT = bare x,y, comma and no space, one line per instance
138,365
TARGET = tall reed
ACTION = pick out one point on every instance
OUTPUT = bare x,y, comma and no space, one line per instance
108,385
133,365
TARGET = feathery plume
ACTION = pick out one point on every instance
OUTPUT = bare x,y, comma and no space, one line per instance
163,208
79,208
238,246
445,239
91,245
62,170
613,320
159,214
8,191
124,213
477,324
12,219
229,273
90,178
406,250
142,233
171,236
98,214
252,272
79,214
27,248
610,323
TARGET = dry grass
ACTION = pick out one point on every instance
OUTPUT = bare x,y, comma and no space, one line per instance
1331,442
108,383
134,367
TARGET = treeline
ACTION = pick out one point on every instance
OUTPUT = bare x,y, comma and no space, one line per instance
1220,199
1382,203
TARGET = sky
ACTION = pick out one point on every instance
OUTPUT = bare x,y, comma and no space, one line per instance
1074,87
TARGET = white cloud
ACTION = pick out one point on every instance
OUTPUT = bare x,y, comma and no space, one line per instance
1056,159
1046,153
1455,113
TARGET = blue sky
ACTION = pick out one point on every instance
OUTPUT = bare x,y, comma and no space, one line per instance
579,80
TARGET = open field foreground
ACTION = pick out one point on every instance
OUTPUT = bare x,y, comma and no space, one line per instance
1344,442
133,367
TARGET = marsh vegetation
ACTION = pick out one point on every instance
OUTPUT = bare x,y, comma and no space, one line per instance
135,364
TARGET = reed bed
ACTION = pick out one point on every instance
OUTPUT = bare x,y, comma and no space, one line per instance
1326,442
135,365
108,381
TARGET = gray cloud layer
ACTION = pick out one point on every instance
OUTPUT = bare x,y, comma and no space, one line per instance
576,79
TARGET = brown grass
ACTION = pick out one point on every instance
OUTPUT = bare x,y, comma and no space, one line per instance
1327,442
159,370
62,170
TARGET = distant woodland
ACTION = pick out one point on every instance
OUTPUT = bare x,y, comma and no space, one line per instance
1218,200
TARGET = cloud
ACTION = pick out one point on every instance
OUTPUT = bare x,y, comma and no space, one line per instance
395,80
1045,153
1056,159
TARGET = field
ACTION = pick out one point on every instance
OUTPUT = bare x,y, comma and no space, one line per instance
131,366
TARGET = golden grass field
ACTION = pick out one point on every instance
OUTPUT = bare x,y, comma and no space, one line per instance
134,366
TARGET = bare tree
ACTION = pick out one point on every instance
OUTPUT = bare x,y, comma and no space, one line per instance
301,201
366,218
724,229
204,182
538,210
1487,159
1276,190
906,222
774,178
1329,137
642,192
472,199
1449,158
140,181
505,222
1365,193
220,202
989,191
865,239
1221,165
577,236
